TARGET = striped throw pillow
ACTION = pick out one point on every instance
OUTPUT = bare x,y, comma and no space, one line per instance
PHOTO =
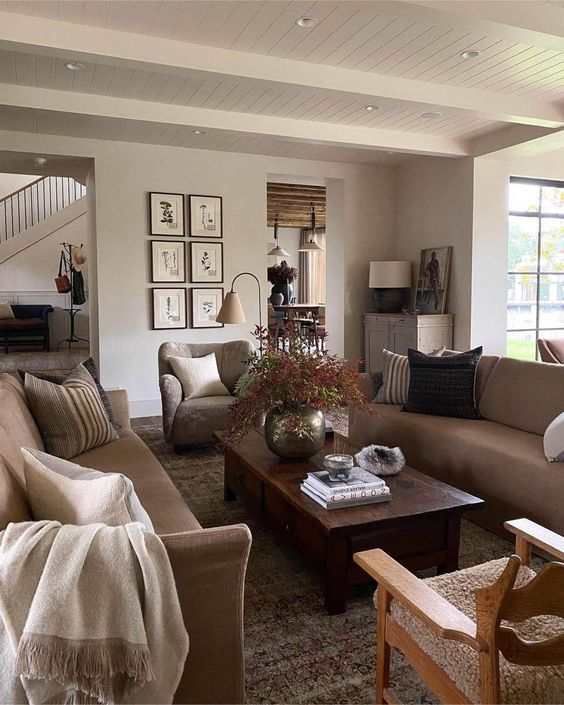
395,385
70,416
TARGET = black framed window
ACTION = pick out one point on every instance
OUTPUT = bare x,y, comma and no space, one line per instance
535,276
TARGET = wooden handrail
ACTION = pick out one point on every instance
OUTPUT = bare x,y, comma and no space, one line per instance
32,183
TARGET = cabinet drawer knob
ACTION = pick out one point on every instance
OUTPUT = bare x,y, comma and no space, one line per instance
242,479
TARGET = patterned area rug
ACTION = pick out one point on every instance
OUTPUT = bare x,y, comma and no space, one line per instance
295,651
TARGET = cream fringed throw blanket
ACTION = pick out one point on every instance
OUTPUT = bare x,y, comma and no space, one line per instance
88,614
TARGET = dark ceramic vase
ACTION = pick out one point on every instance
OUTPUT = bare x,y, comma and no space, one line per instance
287,291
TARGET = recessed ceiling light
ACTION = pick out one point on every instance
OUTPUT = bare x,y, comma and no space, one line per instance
75,65
370,108
39,162
307,22
470,54
431,114
199,132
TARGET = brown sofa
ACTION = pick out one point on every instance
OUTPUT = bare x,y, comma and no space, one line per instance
208,564
499,458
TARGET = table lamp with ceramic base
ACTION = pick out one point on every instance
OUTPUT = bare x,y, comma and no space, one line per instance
232,311
390,282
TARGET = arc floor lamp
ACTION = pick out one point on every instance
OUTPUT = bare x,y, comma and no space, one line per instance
232,310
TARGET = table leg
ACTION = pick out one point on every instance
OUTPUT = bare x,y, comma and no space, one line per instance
453,545
336,568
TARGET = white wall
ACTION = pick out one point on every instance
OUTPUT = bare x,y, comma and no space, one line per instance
433,208
489,275
13,182
124,174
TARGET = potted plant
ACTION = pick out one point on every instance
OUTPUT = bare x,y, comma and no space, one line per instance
294,388
281,276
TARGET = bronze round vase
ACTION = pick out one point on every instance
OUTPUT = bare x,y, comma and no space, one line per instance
287,444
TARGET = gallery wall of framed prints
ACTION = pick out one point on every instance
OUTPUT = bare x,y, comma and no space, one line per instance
195,219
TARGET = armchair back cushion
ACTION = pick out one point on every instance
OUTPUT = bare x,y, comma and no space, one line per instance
230,357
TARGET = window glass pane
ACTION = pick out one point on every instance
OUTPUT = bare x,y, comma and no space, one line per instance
522,308
523,197
552,245
523,247
551,313
552,334
522,345
552,200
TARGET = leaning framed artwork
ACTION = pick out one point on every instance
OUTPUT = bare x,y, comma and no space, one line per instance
169,308
205,307
433,280
168,262
206,216
166,214
206,262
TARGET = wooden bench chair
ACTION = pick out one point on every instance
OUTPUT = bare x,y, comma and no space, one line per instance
492,633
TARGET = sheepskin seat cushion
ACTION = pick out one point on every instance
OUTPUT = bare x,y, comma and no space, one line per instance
519,684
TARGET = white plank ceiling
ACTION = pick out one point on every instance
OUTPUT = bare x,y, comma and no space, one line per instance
371,46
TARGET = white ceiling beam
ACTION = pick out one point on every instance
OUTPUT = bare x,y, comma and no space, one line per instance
506,137
289,128
35,35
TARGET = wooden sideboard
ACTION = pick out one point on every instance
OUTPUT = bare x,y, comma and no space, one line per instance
398,332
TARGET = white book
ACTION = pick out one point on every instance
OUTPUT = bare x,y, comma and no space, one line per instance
379,496
357,481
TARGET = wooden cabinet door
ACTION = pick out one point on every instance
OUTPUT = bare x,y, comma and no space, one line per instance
403,337
376,338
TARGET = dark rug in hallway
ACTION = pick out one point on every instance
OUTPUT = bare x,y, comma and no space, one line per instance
295,651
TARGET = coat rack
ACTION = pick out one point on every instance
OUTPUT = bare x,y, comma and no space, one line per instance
72,311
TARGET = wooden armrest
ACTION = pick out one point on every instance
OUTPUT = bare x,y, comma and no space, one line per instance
538,536
443,618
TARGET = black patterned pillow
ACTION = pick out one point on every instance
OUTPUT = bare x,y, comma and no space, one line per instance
443,386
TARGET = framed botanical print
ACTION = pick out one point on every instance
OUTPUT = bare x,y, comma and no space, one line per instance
207,262
205,307
169,308
168,261
166,214
433,279
206,217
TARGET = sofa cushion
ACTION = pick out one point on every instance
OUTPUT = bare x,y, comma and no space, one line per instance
71,416
519,684
72,494
13,505
6,311
20,323
159,497
15,416
553,440
490,460
522,394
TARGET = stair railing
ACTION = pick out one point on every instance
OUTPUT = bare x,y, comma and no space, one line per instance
33,203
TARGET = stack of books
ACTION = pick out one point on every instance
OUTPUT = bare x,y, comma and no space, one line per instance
360,487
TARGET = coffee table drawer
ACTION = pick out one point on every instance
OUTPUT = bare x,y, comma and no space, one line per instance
405,539
302,534
244,484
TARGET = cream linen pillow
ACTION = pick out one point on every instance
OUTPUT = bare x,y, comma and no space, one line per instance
395,382
199,376
553,440
63,491
6,310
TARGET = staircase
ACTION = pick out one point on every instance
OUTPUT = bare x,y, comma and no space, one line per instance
35,202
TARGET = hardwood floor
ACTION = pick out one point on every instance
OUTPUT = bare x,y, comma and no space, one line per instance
146,421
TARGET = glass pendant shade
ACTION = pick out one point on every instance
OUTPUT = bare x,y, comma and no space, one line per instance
277,251
311,245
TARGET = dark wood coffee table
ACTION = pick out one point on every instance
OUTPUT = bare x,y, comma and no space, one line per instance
420,526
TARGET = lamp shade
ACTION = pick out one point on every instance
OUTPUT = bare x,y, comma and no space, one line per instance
390,275
310,246
231,311
278,252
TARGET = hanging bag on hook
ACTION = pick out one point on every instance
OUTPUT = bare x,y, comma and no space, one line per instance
62,282
78,294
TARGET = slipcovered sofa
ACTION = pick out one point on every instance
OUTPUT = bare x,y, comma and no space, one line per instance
208,564
193,421
499,458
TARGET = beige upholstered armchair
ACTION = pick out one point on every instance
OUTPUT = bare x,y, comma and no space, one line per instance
187,422
551,350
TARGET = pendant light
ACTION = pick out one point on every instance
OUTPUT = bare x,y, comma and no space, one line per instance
310,245
277,251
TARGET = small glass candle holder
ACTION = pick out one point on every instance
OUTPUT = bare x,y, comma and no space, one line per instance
338,465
